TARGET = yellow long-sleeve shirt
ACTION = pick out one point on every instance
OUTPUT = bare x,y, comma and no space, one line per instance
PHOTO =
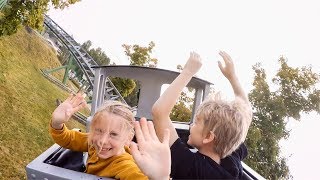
118,167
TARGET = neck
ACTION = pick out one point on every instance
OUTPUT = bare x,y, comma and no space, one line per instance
208,152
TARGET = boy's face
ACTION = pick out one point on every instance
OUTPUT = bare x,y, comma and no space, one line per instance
196,135
110,136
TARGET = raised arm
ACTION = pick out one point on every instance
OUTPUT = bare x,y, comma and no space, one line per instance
164,105
229,72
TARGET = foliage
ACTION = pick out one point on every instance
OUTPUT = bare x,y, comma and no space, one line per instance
181,111
295,93
125,86
140,56
97,54
27,13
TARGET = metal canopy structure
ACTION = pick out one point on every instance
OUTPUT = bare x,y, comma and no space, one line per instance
151,81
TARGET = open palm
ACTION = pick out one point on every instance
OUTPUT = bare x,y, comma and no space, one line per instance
152,156
66,109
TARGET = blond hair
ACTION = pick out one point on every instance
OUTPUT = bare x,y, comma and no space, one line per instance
226,120
117,108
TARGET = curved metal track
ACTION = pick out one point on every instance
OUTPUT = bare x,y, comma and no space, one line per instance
83,59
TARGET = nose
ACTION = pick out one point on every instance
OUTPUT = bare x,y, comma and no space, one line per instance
103,139
191,124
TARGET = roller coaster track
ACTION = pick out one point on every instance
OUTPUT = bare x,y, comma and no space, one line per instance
83,59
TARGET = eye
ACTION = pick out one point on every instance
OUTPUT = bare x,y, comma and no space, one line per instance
113,134
98,131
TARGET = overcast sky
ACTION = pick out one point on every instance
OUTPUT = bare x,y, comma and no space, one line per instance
250,31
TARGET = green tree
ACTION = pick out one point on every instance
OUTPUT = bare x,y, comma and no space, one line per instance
28,13
295,93
97,54
182,110
139,55
125,86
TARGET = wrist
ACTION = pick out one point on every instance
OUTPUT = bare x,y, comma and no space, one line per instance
187,72
56,126
233,78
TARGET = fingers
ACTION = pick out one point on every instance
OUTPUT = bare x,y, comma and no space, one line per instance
80,106
139,134
70,97
226,57
152,131
77,100
134,151
220,66
194,55
145,129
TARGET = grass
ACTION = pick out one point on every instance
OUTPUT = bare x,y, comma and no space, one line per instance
27,100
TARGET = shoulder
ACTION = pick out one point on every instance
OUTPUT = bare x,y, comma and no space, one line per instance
232,163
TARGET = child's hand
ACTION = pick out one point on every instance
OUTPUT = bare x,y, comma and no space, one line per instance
228,71
193,64
66,109
152,156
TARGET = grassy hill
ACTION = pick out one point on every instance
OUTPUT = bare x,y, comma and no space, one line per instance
27,100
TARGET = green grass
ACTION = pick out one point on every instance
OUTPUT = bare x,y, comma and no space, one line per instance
27,100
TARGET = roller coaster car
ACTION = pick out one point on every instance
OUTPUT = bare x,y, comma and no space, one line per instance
60,163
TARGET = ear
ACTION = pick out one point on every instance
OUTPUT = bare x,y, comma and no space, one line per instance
209,138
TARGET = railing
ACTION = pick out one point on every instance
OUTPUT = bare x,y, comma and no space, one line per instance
3,3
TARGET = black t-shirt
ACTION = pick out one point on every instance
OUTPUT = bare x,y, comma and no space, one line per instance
190,165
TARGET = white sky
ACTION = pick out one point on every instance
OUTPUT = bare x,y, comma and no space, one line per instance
250,31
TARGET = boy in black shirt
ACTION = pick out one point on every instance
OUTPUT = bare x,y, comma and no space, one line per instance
219,128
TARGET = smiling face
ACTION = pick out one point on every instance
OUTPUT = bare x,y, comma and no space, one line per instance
109,135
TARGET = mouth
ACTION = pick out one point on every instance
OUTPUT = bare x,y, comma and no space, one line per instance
105,149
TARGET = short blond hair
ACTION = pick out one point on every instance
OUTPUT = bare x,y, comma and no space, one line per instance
227,121
114,107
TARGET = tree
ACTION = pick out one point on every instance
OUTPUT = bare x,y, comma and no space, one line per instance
124,86
139,55
182,111
27,13
97,54
295,93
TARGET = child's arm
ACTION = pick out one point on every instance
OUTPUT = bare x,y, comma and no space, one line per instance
163,106
66,109
66,138
229,72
